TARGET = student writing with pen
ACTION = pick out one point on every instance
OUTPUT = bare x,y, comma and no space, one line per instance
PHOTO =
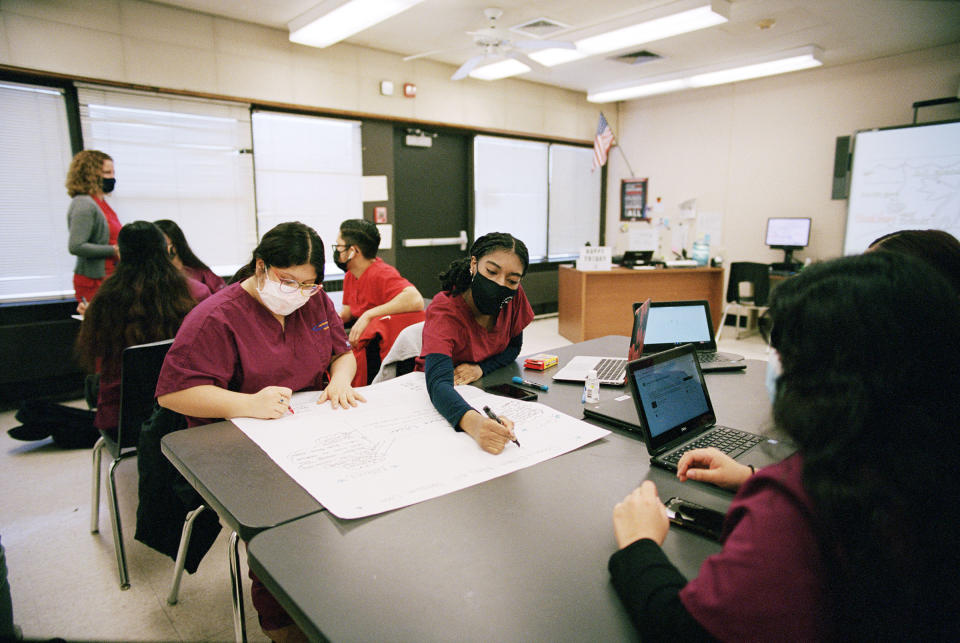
474,327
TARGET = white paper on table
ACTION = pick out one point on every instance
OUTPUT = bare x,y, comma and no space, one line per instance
396,449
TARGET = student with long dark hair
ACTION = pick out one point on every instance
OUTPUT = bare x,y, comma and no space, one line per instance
144,300
185,260
246,349
854,537
473,327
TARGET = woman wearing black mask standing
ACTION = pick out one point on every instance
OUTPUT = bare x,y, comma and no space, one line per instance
93,224
473,327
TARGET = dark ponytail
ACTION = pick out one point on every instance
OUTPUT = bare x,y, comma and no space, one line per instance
457,278
287,244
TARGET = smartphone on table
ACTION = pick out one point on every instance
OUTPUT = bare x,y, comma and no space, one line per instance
689,515
509,390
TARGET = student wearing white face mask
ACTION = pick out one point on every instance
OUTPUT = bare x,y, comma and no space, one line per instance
247,348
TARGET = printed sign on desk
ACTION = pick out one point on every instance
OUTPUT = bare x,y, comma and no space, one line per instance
594,258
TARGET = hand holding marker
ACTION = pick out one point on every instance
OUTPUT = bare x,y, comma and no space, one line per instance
493,416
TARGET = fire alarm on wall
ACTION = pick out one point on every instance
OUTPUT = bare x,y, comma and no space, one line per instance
409,90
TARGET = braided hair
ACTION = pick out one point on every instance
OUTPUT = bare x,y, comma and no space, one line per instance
457,278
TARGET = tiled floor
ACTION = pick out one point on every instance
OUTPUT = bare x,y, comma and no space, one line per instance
64,579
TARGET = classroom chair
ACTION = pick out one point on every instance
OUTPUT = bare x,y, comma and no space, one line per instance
400,359
139,372
748,287
378,338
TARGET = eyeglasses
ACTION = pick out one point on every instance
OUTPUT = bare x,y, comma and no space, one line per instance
292,285
339,247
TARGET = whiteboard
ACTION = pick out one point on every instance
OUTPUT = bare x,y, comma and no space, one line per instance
903,178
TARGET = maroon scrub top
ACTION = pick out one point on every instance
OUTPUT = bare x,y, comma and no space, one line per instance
232,341
450,329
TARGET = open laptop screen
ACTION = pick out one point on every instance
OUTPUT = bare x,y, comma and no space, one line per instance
671,393
674,323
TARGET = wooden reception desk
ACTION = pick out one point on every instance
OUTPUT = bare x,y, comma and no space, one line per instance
596,303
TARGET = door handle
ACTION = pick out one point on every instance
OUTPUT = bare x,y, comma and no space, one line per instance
438,241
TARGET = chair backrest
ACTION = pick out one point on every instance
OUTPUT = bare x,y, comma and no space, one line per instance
757,274
139,372
405,347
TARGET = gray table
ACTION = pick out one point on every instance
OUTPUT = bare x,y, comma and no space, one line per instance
520,557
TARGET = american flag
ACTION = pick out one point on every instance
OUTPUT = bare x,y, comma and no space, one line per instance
601,143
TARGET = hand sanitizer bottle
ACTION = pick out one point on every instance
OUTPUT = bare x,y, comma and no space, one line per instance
591,388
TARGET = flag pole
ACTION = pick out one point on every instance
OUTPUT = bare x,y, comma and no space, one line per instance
625,160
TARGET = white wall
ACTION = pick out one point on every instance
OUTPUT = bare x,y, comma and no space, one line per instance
765,148
148,44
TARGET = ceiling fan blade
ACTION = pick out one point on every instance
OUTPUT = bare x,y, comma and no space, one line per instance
527,60
468,67
537,45
427,54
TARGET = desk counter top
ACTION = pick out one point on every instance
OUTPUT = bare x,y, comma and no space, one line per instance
520,557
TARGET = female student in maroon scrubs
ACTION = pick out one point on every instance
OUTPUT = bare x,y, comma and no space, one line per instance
854,537
245,349
183,258
144,300
473,327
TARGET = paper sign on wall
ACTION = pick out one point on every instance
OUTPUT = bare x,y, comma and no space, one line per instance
374,188
386,235
594,258
643,237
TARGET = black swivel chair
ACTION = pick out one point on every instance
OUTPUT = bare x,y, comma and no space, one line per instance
139,372
749,287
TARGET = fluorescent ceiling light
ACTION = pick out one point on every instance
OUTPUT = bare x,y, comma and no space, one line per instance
692,16
498,70
758,70
781,63
335,20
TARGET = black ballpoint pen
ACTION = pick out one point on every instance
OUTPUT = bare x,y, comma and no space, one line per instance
493,416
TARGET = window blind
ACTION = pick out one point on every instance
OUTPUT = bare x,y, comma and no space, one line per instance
574,203
308,169
510,183
182,159
34,136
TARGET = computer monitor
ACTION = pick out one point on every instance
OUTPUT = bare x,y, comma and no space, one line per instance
788,234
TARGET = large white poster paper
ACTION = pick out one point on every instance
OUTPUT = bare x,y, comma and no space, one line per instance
396,450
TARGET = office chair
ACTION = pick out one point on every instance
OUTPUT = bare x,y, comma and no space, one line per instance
754,275
139,372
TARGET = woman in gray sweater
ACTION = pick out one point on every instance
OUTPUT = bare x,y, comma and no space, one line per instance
93,224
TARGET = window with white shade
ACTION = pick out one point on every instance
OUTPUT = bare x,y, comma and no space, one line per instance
574,201
34,136
182,159
308,169
544,194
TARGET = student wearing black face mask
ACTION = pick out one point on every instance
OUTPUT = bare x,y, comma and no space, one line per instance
93,224
473,327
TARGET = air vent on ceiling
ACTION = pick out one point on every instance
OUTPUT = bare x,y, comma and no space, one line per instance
637,57
539,27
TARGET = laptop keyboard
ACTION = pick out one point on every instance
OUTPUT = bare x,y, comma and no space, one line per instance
730,441
708,356
611,370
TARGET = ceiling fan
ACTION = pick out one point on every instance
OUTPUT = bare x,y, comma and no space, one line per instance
497,45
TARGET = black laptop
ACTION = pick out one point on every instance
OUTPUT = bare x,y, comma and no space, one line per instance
672,323
676,414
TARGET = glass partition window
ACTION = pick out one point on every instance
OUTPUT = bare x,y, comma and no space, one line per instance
34,261
574,201
308,169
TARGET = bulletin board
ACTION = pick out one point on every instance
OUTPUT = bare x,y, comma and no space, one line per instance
633,199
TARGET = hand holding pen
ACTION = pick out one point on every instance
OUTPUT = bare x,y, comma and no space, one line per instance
493,416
